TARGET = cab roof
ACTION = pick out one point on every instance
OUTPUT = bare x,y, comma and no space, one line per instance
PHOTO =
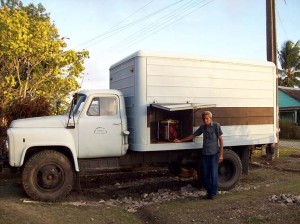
100,91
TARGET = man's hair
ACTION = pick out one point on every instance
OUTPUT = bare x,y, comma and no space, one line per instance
206,113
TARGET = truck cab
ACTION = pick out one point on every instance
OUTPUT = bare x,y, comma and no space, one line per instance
48,148
100,120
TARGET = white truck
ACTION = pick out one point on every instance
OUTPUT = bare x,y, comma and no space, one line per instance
153,98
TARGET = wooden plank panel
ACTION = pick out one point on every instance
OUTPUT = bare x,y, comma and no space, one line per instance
238,116
238,111
238,121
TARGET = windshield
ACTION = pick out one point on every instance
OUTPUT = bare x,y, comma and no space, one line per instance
76,107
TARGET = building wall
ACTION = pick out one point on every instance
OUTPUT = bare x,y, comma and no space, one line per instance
287,101
289,108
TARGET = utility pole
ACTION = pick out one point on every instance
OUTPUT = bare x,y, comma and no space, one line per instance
272,56
271,32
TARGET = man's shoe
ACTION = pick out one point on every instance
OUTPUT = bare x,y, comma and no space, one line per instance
210,197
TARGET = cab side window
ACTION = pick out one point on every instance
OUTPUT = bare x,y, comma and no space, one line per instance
103,106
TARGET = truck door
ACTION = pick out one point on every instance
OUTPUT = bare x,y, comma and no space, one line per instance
100,128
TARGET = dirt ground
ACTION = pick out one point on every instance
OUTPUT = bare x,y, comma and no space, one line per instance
157,197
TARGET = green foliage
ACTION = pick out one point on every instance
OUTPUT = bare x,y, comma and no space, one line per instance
33,59
36,70
288,130
289,57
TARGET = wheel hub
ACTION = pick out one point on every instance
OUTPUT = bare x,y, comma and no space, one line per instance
49,177
226,170
222,170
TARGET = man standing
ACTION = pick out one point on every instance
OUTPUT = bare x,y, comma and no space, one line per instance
211,153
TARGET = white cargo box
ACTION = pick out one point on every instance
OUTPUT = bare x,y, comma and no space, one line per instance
165,95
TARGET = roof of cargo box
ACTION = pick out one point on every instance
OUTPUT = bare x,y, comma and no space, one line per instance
143,53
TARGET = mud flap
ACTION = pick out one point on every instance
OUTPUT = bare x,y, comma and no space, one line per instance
77,185
245,159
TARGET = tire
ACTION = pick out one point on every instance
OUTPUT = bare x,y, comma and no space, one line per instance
230,171
48,176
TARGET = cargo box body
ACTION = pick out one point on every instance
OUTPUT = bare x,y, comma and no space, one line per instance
165,95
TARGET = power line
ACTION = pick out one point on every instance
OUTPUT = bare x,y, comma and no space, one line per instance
162,20
157,26
115,29
282,26
140,9
116,25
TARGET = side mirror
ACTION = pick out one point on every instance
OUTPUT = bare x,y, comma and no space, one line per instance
75,98
126,133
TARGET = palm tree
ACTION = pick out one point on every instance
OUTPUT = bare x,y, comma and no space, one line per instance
289,57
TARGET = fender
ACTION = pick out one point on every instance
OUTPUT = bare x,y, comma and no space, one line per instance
26,138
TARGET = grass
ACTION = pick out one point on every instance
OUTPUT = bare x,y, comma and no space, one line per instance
249,206
57,213
283,152
292,140
256,219
236,207
286,152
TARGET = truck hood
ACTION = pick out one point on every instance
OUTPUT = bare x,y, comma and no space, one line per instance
40,122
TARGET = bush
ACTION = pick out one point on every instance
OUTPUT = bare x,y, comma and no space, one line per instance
22,108
288,130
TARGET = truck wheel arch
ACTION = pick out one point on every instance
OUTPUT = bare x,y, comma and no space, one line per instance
27,154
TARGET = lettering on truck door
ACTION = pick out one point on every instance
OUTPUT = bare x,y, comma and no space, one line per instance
100,128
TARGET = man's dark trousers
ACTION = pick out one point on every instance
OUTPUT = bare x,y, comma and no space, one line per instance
210,173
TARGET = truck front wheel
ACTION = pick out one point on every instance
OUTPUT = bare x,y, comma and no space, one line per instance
48,176
230,170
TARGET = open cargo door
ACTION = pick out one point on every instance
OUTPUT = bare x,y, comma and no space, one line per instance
173,120
181,106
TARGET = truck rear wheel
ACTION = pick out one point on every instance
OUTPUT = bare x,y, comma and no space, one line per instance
48,176
230,170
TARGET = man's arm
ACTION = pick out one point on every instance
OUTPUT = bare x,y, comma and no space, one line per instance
221,149
186,139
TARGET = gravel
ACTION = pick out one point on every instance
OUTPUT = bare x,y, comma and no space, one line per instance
285,199
165,195
133,204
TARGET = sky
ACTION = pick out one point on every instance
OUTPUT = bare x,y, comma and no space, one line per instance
113,29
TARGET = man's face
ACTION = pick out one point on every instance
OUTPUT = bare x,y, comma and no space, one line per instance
207,120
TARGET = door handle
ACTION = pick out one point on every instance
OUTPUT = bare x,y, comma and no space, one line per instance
116,123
